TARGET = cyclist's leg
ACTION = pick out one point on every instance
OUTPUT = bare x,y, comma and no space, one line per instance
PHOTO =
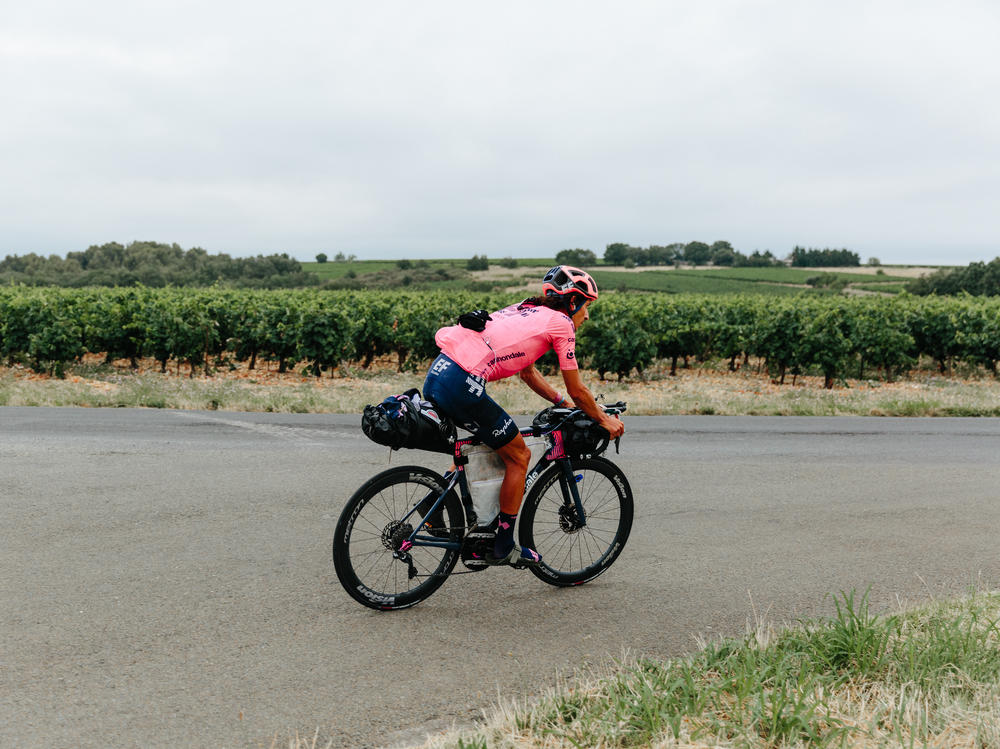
516,456
463,397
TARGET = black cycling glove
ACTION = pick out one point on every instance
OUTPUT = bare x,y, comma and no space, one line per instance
475,320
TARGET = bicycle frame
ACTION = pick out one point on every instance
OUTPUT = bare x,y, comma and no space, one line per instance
456,476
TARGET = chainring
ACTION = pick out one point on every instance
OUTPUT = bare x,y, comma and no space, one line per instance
477,543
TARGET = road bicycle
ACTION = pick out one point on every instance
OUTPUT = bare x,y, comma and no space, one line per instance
402,533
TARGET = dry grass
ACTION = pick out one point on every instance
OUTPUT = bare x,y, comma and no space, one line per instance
705,391
921,677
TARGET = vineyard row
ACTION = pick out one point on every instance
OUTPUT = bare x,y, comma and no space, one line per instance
836,336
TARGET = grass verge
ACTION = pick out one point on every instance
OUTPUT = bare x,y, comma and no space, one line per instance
920,677
702,391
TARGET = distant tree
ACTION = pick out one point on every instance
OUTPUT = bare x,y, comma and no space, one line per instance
321,258
154,264
697,253
577,257
874,261
404,264
661,255
826,258
723,253
508,262
477,262
827,281
617,253
339,257
756,260
978,279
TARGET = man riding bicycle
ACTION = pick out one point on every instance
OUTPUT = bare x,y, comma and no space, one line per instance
484,348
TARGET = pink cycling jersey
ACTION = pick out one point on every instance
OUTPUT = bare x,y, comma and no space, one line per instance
514,339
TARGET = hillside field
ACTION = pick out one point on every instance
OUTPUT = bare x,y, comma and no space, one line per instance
779,281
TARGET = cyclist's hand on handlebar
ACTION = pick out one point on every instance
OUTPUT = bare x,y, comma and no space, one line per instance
613,426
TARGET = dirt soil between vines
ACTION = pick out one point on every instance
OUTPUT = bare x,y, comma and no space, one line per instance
697,390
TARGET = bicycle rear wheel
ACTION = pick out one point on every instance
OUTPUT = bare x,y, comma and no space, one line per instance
366,544
574,553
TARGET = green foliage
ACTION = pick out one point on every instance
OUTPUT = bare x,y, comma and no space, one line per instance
827,281
814,258
757,259
934,329
576,257
620,336
979,279
720,253
777,337
153,264
478,262
826,342
689,282
879,336
697,253
922,678
43,327
837,336
324,333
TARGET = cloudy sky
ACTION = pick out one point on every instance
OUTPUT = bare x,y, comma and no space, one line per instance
441,128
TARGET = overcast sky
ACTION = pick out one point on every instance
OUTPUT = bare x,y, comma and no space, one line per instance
431,129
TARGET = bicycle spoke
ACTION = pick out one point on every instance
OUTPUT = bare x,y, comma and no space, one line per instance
576,552
367,548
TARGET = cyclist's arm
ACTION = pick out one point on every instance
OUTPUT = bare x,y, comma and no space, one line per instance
534,380
585,401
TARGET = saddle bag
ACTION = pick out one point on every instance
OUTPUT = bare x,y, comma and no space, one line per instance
407,420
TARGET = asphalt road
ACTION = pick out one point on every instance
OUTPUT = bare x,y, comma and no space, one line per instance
165,576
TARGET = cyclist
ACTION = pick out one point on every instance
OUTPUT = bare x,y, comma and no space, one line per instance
483,348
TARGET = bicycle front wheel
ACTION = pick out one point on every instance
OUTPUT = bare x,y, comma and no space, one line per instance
368,552
574,552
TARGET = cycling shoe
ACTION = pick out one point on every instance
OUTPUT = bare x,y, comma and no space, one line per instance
517,557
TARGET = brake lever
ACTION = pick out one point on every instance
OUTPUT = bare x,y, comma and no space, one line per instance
617,440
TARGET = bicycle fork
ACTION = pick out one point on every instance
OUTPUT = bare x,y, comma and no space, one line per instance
571,491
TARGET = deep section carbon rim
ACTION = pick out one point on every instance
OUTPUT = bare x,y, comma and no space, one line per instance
574,552
368,550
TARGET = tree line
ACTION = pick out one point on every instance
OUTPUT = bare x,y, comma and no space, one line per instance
803,257
720,253
978,279
835,337
153,264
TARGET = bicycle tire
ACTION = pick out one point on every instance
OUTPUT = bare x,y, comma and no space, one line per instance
574,555
369,531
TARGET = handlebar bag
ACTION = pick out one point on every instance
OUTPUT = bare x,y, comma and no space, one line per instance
582,436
